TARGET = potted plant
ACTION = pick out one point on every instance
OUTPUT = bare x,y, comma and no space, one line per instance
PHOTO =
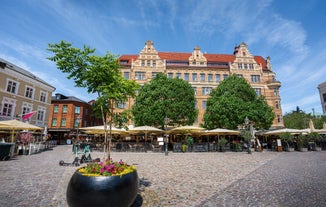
105,181
190,143
221,144
314,138
302,143
287,138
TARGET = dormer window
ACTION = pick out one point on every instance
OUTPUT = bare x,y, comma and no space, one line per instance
243,53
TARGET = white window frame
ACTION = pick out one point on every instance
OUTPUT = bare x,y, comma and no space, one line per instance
11,106
29,92
16,86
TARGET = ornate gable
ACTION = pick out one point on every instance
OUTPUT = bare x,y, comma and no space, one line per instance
148,57
197,58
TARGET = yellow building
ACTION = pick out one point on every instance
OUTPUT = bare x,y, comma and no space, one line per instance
204,72
22,92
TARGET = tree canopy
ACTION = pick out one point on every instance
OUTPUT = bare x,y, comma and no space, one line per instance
165,97
98,74
298,119
232,101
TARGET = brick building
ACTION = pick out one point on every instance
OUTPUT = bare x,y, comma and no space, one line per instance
204,72
67,115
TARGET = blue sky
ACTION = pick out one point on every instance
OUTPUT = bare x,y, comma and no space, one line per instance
291,32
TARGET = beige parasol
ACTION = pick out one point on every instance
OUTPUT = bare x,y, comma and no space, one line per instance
145,130
220,131
100,130
280,131
17,125
185,129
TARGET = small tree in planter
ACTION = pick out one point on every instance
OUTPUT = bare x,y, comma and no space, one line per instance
302,143
287,138
106,183
190,143
315,138
221,144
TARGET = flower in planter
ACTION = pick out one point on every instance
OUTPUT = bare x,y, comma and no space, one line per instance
107,168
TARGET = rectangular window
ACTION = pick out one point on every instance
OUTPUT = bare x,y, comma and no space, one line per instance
7,109
277,104
126,75
225,76
8,106
210,77
154,74
206,90
77,109
76,122
178,75
43,96
26,108
255,78
121,105
12,87
324,97
140,75
251,66
195,90
279,118
40,114
186,76
143,63
276,92
55,109
154,63
29,92
202,77
239,75
239,66
258,91
63,122
170,75
148,63
204,103
245,66
54,122
217,78
64,109
194,77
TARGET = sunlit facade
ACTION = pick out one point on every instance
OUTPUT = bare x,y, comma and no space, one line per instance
204,72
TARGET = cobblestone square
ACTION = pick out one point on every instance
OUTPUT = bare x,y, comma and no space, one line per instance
179,179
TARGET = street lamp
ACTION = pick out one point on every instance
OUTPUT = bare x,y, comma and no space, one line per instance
166,136
78,121
247,134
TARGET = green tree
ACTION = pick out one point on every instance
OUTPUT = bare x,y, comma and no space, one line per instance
232,101
297,119
98,74
165,97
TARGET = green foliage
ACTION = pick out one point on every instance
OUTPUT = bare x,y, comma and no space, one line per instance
302,141
190,141
298,119
232,101
165,97
97,74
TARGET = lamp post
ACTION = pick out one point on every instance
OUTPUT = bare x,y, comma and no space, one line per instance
247,134
166,136
78,121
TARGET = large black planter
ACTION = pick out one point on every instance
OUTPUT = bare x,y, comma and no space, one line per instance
104,191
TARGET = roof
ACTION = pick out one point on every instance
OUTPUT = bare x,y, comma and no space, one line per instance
5,63
182,57
60,97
